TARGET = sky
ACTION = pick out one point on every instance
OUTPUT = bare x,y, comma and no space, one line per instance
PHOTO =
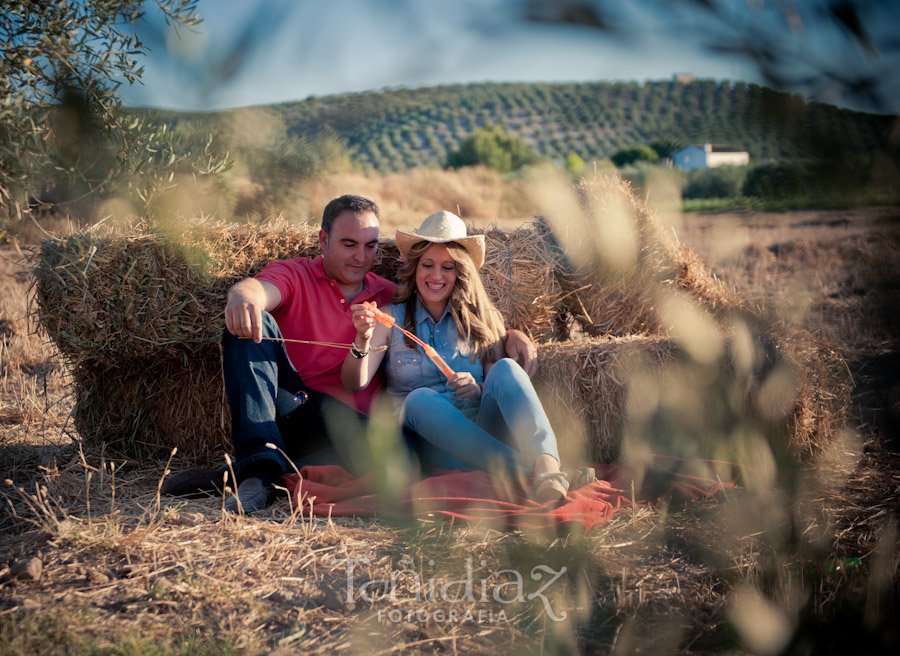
248,52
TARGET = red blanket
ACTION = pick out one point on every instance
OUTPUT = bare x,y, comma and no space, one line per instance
499,502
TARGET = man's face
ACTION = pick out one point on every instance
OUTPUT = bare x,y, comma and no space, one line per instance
350,248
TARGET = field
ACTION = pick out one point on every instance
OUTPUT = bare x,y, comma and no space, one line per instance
395,130
94,561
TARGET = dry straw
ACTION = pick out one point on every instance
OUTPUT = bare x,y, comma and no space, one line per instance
607,299
583,385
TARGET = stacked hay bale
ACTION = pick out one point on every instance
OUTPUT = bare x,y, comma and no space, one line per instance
659,314
583,385
613,297
138,314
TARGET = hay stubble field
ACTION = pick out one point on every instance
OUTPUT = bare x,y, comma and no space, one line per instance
94,561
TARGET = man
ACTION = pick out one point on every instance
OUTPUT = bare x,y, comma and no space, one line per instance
267,380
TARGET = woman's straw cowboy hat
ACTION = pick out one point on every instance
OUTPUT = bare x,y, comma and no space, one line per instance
443,227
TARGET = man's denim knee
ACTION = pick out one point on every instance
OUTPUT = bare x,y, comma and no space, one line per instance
270,326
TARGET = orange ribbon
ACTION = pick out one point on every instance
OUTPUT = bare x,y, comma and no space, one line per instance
389,321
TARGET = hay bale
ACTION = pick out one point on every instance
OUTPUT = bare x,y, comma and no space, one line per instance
138,315
823,387
144,411
583,386
147,294
620,300
518,275
601,393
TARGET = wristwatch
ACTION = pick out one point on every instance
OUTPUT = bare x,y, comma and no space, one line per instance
356,353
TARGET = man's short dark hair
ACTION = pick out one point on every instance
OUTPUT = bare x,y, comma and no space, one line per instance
338,206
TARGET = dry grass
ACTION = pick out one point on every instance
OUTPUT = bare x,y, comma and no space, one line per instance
477,194
126,572
33,382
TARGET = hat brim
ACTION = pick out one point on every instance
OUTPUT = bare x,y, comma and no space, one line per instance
474,244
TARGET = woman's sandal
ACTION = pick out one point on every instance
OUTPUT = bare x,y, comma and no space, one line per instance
580,476
550,486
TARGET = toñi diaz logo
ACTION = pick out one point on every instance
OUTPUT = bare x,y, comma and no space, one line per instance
503,586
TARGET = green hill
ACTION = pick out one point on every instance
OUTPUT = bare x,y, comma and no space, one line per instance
396,129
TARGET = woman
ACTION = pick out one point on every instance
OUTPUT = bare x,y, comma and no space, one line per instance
441,299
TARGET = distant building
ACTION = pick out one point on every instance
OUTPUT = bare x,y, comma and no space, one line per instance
708,156
684,78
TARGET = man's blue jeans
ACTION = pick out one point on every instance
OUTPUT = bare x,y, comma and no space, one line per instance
261,385
509,432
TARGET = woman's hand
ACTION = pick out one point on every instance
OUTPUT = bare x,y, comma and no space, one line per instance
464,386
364,321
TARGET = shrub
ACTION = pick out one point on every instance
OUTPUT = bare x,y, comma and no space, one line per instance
574,163
492,147
776,180
627,156
719,182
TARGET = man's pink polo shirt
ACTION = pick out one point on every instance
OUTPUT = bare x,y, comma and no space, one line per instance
313,308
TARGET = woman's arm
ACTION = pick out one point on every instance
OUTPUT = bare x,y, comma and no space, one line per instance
357,373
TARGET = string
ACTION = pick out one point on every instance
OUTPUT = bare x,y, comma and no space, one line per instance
376,349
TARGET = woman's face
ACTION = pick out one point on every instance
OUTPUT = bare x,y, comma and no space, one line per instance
435,275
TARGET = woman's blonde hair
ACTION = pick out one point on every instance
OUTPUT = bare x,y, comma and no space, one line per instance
478,322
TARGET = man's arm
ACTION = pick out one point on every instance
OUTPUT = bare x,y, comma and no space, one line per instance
246,301
519,346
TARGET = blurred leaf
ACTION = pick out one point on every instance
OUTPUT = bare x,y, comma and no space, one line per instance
845,13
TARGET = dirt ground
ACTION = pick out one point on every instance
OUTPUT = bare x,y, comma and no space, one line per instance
93,560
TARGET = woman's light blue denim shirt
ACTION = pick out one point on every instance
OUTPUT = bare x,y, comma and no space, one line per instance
409,368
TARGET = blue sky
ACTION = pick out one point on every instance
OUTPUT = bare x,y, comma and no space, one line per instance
268,51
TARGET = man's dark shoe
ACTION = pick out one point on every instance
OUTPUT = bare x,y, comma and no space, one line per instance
194,482
254,496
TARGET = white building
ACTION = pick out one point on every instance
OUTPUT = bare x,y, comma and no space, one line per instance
708,156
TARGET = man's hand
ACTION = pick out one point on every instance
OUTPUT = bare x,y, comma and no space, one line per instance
245,304
464,386
520,348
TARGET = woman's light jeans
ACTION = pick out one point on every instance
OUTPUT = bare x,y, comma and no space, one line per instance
509,432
